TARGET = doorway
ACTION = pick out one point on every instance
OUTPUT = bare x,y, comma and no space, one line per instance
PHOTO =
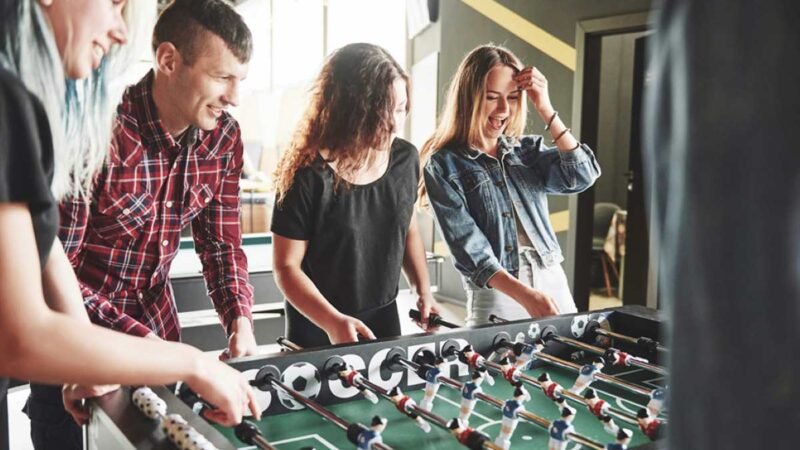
607,114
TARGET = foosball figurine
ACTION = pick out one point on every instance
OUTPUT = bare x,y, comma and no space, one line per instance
587,375
431,376
619,358
474,360
372,435
623,439
657,401
650,426
352,378
511,410
466,436
609,425
405,405
560,428
510,373
551,389
597,406
526,353
469,392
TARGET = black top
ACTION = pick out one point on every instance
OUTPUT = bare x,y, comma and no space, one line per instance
26,162
356,234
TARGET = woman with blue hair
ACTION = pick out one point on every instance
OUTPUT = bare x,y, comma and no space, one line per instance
54,134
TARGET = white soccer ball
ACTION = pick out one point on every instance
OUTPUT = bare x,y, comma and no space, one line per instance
263,398
579,325
534,331
303,378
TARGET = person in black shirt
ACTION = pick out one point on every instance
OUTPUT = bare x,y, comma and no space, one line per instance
45,334
343,224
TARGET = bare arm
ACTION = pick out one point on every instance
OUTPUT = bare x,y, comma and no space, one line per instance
287,256
536,302
62,293
415,267
42,345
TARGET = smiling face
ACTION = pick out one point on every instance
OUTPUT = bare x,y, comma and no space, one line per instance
202,90
500,103
84,31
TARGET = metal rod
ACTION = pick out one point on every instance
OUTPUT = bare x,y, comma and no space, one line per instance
287,344
527,379
600,376
319,409
599,351
643,341
528,416
262,443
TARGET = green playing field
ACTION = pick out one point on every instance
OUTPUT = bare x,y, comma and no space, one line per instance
306,429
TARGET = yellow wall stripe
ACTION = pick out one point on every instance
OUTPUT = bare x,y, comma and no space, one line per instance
525,30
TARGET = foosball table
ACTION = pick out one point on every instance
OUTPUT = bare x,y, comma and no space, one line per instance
593,380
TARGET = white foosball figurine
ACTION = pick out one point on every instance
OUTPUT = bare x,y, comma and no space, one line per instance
650,425
657,401
510,373
174,426
560,428
469,392
526,353
551,389
620,358
431,376
351,377
599,408
511,410
372,435
586,375
474,360
623,439
405,405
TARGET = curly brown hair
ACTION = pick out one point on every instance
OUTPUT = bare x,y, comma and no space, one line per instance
350,113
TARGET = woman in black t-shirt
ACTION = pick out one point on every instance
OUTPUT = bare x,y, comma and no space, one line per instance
343,224
45,334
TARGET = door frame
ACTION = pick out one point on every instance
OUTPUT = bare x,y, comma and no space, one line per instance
585,115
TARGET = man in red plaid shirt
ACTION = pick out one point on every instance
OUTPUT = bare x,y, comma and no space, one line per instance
175,160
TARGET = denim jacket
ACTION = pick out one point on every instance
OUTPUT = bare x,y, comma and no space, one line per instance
472,201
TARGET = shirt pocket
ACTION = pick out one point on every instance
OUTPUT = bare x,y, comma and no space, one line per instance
197,199
122,215
479,194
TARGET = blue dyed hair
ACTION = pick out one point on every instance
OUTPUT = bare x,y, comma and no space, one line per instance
80,111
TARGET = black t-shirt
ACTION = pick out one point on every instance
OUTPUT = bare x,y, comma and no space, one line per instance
356,234
26,162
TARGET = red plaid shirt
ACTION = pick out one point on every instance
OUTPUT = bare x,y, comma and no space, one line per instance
122,243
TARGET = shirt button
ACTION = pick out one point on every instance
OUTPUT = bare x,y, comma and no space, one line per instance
206,199
499,184
140,295
509,248
169,204
165,242
506,214
126,211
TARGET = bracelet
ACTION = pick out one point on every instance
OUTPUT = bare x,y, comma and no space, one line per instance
566,130
550,122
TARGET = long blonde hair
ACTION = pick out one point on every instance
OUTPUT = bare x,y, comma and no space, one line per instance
80,112
461,124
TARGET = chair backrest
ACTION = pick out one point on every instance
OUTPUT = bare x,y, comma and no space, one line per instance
603,213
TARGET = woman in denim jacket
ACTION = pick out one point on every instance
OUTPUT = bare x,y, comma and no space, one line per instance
488,186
